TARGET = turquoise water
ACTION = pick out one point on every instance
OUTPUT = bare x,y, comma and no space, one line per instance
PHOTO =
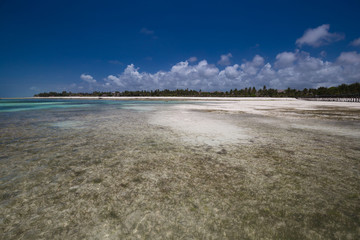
15,105
102,169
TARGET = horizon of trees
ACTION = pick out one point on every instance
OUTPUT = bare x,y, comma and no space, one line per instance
343,90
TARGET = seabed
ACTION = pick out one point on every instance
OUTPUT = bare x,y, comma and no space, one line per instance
254,169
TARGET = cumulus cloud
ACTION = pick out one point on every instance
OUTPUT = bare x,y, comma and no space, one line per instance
349,57
296,69
319,36
115,80
225,59
232,72
355,43
308,72
87,78
181,75
192,59
350,65
285,59
252,67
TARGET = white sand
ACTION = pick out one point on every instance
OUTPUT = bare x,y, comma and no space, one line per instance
269,105
197,128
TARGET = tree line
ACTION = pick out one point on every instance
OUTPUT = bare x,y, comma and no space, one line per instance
343,90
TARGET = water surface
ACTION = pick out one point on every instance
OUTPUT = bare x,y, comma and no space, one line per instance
97,169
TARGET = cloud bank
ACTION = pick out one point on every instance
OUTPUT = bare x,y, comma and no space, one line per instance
296,69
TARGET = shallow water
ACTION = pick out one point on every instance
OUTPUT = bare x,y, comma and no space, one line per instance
164,170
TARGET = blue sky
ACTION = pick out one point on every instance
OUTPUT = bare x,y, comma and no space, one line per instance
84,46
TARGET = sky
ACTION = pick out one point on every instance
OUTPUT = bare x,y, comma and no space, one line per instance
85,46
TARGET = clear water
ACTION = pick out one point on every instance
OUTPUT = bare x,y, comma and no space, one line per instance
98,169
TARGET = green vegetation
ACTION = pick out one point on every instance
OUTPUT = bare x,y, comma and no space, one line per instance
343,90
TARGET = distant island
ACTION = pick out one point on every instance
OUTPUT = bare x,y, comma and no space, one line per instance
343,90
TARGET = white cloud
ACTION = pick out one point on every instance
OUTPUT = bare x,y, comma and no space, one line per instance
258,61
87,78
225,59
319,36
181,75
350,65
285,59
206,70
232,72
253,67
115,80
296,69
355,43
192,59
349,57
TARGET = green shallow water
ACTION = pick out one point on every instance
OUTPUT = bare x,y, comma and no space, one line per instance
109,170
30,104
15,104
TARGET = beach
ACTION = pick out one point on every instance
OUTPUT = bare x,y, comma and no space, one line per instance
172,168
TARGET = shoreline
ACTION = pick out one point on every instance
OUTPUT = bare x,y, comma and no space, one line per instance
175,98
164,98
